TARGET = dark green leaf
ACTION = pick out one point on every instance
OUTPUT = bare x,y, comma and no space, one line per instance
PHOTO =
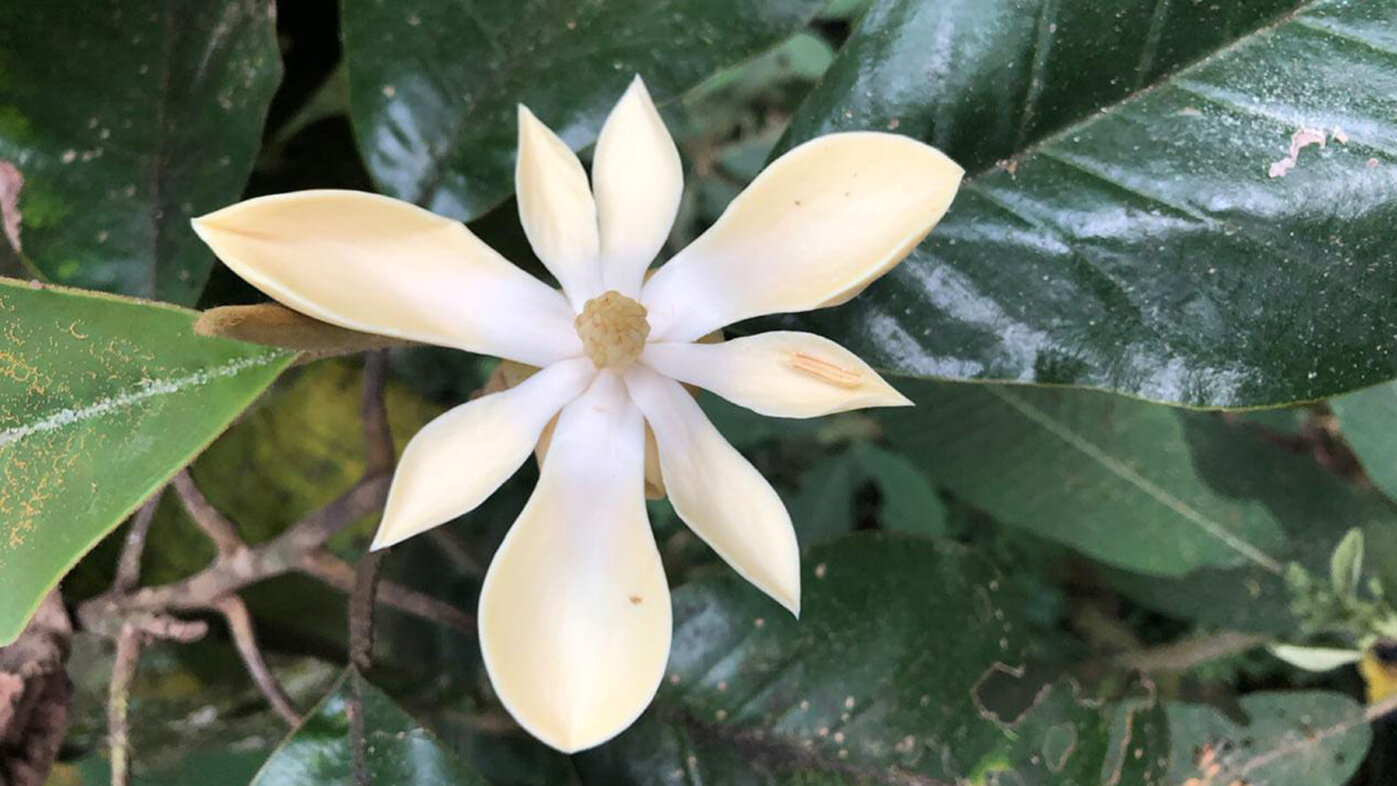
399,750
1368,419
908,502
823,507
1132,237
433,86
902,667
1212,502
101,400
125,120
1110,476
1308,738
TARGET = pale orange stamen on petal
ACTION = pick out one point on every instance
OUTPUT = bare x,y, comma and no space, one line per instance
827,371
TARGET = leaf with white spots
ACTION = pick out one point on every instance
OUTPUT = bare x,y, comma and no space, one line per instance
125,120
1193,202
102,399
905,668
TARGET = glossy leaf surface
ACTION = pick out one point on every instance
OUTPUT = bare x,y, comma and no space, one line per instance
124,120
901,670
101,400
1121,226
398,749
434,86
1141,486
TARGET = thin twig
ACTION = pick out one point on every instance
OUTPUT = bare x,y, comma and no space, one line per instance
340,574
378,437
225,576
162,626
358,732
133,616
361,609
1187,653
1311,738
214,524
128,654
128,565
240,626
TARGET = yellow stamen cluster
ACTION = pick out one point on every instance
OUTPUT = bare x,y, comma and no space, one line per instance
613,330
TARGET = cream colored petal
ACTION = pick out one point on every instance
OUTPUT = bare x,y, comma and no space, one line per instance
717,492
575,613
378,265
557,209
782,374
638,180
459,459
820,224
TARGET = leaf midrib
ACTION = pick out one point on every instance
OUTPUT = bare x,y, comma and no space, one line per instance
1164,80
127,399
1135,479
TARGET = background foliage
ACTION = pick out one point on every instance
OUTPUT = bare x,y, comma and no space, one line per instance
1048,572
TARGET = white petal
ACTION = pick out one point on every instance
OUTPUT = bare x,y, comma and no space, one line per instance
459,459
557,210
820,224
378,265
574,613
638,181
782,374
717,492
1317,659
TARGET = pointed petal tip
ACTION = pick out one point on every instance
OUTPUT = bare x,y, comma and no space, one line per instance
897,399
208,222
382,540
793,606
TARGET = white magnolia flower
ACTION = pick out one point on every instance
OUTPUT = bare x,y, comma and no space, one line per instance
575,613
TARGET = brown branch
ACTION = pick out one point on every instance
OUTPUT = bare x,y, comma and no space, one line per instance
214,524
248,566
378,437
35,695
133,616
1309,739
1187,653
128,655
361,611
339,574
240,626
358,732
160,626
128,565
